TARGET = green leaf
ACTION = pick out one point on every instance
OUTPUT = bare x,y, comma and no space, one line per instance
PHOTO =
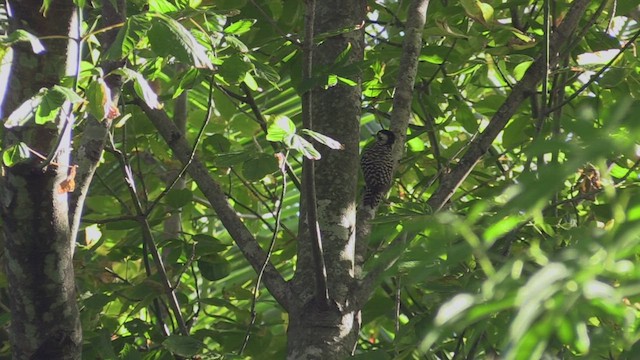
323,139
15,154
266,72
162,6
178,198
216,143
208,245
297,142
465,116
49,108
26,111
141,87
214,267
239,27
183,345
99,97
235,68
169,38
259,167
133,31
280,129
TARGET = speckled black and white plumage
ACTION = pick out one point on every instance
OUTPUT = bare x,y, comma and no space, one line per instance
377,167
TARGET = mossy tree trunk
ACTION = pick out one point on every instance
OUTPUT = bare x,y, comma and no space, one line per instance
34,201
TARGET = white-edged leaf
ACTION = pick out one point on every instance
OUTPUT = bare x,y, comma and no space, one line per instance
323,139
300,144
25,36
26,111
141,86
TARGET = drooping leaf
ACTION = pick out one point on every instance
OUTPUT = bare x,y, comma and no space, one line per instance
297,142
323,139
99,97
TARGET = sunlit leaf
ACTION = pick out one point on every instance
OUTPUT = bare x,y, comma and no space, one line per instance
323,139
281,128
21,35
239,27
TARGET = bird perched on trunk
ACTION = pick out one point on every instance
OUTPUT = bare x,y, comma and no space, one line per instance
377,167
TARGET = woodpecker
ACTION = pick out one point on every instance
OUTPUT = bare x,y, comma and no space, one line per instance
377,167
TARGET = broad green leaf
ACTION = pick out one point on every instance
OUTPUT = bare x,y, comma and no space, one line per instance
235,68
214,267
259,167
132,32
170,38
180,345
281,128
49,108
15,153
216,143
99,98
208,245
162,6
178,198
250,81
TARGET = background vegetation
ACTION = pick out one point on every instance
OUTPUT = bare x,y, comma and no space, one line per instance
535,255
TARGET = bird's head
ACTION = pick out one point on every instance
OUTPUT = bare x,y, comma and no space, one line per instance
385,137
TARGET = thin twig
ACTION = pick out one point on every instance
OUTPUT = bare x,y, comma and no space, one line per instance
322,287
196,143
149,241
272,244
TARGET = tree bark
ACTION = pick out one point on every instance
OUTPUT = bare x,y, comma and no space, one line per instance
317,332
34,206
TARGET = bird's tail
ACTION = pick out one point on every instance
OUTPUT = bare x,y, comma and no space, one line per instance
371,198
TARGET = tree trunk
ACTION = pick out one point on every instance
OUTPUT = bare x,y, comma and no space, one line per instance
34,206
317,332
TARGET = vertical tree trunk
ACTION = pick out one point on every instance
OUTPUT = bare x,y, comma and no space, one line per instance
315,332
34,207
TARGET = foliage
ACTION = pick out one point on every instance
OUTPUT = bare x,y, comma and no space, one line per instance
536,256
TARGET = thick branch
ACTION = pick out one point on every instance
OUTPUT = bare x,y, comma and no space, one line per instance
479,146
401,113
212,191
94,135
